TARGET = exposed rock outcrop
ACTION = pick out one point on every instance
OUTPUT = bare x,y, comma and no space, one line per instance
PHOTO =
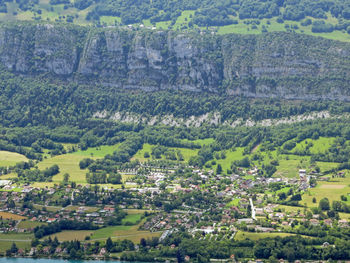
282,65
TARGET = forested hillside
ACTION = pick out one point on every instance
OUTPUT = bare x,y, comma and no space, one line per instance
273,65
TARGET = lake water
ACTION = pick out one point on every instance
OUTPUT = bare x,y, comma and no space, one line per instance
43,260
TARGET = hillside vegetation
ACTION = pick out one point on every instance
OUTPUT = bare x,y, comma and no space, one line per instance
328,18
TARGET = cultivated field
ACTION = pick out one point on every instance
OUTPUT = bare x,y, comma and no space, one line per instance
240,235
71,235
29,224
5,215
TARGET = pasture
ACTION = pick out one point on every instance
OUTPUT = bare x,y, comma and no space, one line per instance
123,232
230,156
5,245
333,190
98,152
272,25
11,158
29,224
186,153
132,218
71,235
241,235
126,232
319,145
69,163
20,237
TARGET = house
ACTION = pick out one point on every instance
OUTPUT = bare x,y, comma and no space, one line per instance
343,223
102,251
51,220
259,211
325,244
314,222
328,222
32,251
245,220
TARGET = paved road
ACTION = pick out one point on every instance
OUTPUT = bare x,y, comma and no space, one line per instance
253,208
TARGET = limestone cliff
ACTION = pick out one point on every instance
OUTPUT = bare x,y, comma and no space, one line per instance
283,65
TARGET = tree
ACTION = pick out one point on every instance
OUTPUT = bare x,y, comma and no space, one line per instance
114,179
282,196
83,164
14,248
73,253
143,242
296,197
324,204
109,244
66,177
180,256
219,169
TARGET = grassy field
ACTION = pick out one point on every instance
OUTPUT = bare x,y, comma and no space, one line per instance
87,209
319,146
110,20
234,202
16,237
6,215
201,142
69,163
29,224
71,235
132,218
272,25
5,245
48,13
125,232
333,190
98,152
184,19
290,209
186,153
48,208
11,158
231,156
240,235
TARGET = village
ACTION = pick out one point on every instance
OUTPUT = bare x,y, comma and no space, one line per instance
205,204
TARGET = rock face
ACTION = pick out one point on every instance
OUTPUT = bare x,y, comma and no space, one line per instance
283,65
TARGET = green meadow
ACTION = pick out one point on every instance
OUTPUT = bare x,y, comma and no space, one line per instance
69,163
319,145
240,235
23,241
231,156
11,158
333,190
186,153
